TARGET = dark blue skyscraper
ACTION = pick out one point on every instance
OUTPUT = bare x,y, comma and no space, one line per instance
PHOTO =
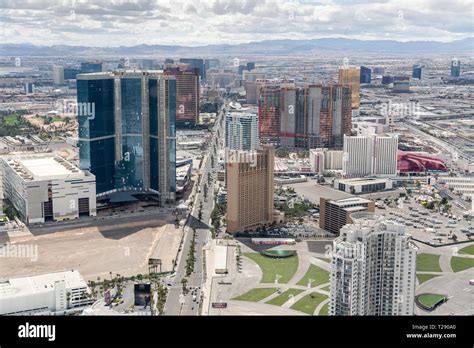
129,142
418,71
387,79
92,67
29,87
365,75
455,68
70,73
196,64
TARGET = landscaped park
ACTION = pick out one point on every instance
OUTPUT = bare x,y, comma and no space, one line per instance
282,286
443,280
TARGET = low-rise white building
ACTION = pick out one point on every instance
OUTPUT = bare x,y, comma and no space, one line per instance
362,185
459,184
45,187
43,294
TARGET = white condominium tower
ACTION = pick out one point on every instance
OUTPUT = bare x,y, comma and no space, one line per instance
372,268
242,131
370,155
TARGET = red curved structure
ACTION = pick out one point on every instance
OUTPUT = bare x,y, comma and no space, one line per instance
419,162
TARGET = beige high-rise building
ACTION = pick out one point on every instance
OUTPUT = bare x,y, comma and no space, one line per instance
250,189
350,76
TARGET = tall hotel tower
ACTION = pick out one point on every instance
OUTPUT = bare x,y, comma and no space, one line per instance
372,268
187,93
350,76
311,117
370,155
250,190
128,142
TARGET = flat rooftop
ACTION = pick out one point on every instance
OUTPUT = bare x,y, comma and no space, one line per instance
350,201
34,167
126,73
363,181
314,192
40,283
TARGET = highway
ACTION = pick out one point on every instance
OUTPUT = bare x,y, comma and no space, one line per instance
450,148
178,303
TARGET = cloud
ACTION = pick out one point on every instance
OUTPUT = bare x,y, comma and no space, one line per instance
196,22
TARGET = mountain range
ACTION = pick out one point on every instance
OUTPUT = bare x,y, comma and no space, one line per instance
268,47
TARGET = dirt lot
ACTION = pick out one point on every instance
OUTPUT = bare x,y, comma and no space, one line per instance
95,252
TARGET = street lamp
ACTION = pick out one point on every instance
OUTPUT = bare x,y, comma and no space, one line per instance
277,278
309,282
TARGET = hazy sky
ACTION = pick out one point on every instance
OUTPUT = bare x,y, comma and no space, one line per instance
197,22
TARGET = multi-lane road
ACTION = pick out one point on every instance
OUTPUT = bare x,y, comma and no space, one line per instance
186,304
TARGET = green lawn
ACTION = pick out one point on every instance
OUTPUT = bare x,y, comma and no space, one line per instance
270,267
459,264
281,299
429,300
256,295
309,303
425,277
324,310
317,274
10,120
427,263
467,250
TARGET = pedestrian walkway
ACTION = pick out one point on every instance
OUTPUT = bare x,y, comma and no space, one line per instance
445,263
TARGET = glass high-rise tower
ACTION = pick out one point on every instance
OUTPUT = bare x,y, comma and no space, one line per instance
365,74
127,137
350,76
455,67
